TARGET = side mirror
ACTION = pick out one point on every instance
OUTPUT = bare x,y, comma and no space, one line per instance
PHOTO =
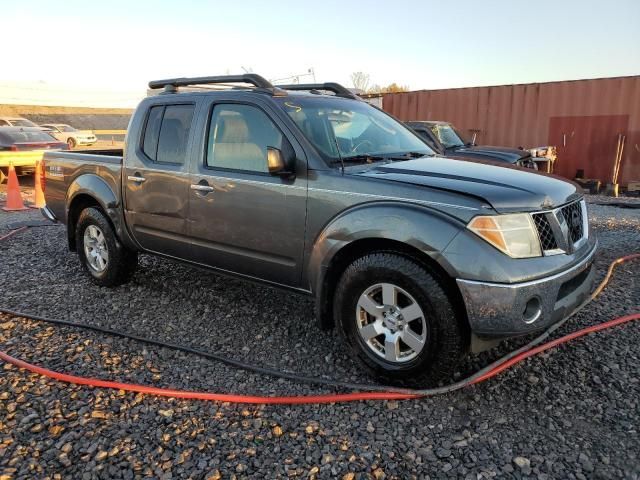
279,163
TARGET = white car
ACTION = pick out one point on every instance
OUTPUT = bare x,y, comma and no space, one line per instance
16,122
72,136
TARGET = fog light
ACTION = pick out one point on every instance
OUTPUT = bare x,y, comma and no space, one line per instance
532,310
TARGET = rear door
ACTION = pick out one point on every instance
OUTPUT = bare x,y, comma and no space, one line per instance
241,218
156,179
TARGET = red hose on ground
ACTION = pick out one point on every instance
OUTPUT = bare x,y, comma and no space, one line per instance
556,342
316,399
297,400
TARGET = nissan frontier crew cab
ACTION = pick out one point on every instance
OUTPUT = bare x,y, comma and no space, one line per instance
414,258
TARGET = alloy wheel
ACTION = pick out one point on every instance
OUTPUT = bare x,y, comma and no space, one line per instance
391,323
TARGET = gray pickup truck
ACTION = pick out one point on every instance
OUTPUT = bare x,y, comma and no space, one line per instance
416,258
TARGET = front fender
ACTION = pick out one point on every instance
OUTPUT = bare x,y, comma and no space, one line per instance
423,228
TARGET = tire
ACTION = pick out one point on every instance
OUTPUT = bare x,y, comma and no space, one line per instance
436,325
72,143
95,237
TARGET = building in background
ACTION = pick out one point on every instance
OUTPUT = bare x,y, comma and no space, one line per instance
584,119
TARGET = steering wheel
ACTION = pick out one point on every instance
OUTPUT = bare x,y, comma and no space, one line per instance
364,142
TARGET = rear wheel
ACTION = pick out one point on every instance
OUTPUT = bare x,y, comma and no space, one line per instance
398,321
101,254
71,142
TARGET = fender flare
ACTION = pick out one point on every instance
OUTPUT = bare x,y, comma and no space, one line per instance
99,190
419,227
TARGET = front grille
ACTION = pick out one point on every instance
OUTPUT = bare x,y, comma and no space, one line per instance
573,216
547,239
562,229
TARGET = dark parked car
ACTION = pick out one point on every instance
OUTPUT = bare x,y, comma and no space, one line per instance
445,139
415,258
22,147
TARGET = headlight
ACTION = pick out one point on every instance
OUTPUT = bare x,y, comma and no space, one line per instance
514,234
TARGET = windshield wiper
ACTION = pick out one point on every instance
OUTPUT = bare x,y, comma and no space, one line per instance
409,155
363,158
370,158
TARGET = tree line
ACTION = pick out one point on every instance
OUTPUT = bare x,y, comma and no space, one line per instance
362,82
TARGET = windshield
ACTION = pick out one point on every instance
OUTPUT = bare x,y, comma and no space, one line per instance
447,135
22,122
349,129
66,128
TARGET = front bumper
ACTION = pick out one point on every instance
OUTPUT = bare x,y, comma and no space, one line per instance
503,310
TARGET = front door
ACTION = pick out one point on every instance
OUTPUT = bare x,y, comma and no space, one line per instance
241,218
156,178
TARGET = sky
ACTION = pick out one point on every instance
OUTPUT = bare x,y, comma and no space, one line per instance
104,53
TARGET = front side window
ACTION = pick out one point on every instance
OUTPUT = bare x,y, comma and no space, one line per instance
239,136
166,134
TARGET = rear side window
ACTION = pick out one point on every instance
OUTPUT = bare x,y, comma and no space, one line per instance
167,133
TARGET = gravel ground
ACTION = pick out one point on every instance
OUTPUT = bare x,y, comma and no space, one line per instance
570,413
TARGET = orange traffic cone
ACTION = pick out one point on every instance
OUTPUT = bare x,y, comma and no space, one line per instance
39,193
14,200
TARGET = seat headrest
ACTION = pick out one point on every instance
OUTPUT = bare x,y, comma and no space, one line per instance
233,129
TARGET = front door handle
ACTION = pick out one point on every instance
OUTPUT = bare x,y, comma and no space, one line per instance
202,188
136,178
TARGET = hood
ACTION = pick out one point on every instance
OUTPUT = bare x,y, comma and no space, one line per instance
505,154
84,133
505,188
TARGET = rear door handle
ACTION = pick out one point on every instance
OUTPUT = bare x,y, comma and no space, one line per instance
202,188
136,178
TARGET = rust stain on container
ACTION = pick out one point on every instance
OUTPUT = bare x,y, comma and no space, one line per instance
537,114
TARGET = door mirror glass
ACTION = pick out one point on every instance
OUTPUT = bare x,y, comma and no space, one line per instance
278,163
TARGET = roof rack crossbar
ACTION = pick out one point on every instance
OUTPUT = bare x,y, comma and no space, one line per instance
336,88
251,78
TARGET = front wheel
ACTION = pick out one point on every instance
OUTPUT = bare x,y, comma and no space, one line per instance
101,254
398,321
72,143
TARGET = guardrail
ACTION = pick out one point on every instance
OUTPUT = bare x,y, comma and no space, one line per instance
110,132
113,135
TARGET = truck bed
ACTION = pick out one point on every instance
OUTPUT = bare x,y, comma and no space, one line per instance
97,167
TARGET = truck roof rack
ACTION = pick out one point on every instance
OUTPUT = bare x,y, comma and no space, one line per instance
336,88
171,85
